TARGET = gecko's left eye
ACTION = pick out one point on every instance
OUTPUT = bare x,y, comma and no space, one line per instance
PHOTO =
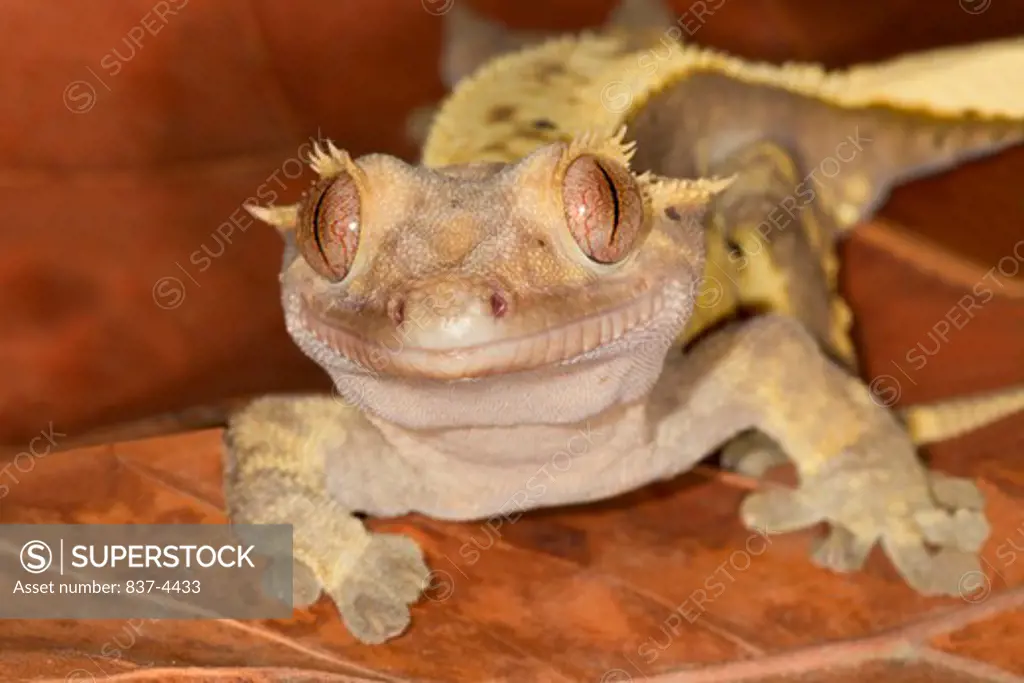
329,226
603,208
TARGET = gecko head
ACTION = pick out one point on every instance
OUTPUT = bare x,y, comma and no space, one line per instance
564,262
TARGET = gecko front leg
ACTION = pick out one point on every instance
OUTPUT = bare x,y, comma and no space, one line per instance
776,248
275,452
780,246
857,467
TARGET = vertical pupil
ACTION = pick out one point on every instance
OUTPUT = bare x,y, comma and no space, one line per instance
615,202
316,220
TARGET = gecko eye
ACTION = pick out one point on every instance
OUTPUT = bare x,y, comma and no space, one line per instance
328,228
603,208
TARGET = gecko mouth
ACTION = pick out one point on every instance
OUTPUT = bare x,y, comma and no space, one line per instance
622,328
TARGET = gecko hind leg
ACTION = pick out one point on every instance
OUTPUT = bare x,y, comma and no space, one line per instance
275,450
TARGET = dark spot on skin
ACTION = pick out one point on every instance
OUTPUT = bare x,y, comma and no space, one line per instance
672,213
499,306
544,124
531,134
541,243
546,71
501,113
496,147
734,249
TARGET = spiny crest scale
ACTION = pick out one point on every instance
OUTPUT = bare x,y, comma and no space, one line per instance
600,144
281,217
662,192
330,162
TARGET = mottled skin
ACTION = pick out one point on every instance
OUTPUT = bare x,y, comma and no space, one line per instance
523,301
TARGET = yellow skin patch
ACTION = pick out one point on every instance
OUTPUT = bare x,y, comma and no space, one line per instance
604,80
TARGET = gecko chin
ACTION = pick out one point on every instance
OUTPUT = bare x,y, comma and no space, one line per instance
478,345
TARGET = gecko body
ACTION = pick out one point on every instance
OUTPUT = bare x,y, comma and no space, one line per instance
521,320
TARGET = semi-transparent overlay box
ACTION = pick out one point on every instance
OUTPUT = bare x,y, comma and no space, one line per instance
157,571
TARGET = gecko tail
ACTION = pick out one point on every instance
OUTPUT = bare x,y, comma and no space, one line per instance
942,420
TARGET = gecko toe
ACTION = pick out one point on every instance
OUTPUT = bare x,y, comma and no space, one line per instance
938,573
373,617
375,594
963,529
971,530
778,510
956,493
306,588
958,520
841,551
400,559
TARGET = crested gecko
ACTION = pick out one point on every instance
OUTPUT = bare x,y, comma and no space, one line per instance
540,276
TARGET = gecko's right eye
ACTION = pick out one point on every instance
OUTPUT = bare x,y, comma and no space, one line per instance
329,226
603,208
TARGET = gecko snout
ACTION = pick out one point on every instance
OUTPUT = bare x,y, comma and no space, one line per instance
448,312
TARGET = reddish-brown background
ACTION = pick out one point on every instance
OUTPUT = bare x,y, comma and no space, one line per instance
98,206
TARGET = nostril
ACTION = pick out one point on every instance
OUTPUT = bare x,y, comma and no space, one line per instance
498,305
396,310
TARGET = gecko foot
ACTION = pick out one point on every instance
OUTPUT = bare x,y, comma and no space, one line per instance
274,459
959,520
306,587
373,594
929,525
